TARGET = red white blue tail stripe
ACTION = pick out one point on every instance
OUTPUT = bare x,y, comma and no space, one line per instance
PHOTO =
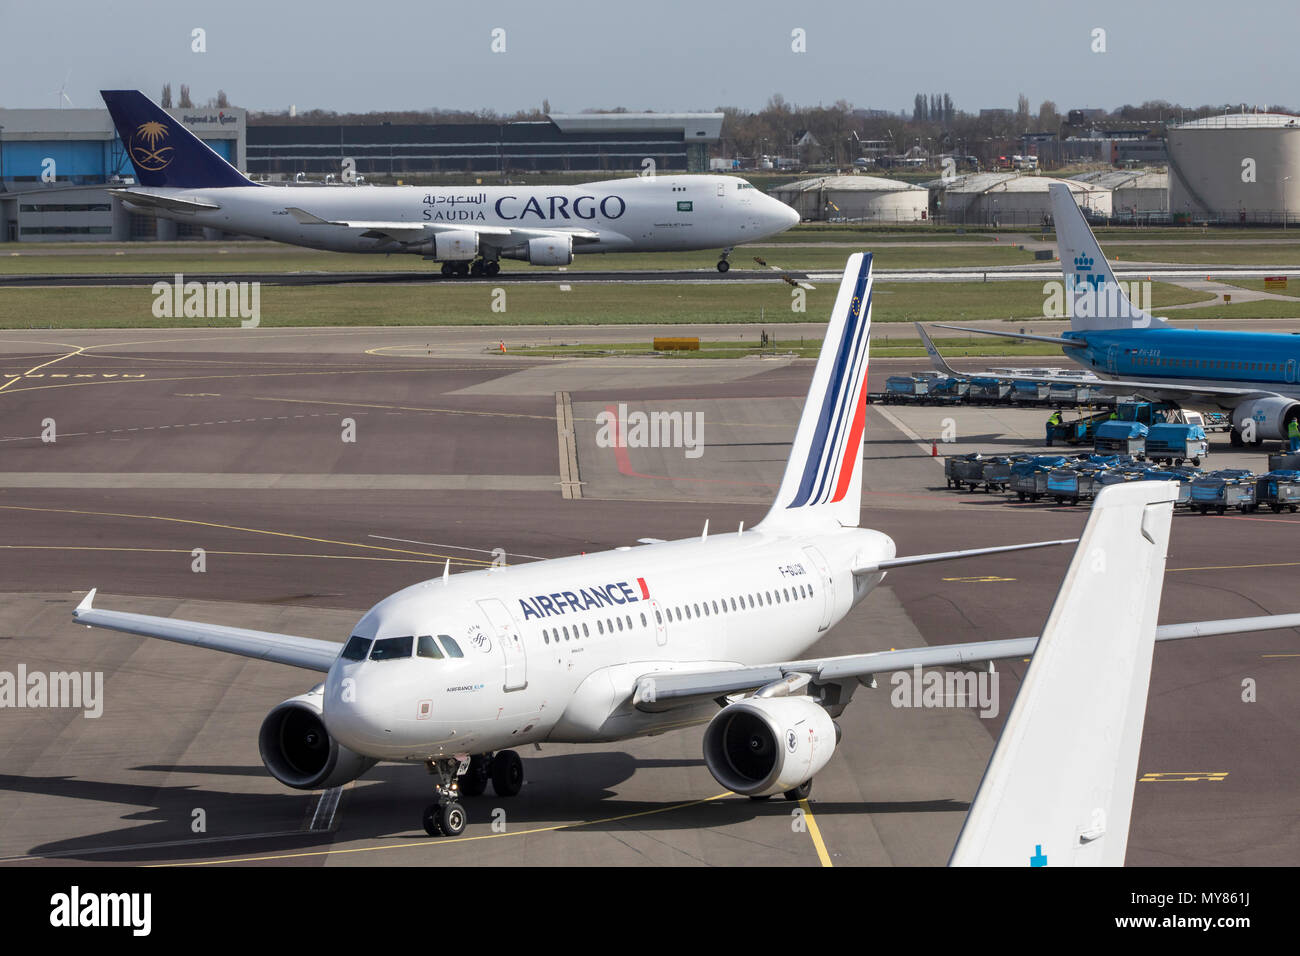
825,460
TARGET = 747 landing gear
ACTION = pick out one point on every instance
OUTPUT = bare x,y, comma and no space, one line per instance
723,264
446,817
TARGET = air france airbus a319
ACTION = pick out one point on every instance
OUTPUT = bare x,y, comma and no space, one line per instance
469,229
455,672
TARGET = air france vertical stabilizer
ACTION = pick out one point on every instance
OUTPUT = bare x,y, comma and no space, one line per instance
823,478
1097,301
1058,790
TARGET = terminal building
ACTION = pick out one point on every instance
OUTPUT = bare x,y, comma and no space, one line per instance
55,164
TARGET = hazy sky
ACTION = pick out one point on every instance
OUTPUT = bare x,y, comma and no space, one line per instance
670,55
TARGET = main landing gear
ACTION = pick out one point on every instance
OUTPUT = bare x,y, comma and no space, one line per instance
477,268
446,817
723,264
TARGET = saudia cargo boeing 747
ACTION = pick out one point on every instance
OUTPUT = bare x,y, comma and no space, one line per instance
468,229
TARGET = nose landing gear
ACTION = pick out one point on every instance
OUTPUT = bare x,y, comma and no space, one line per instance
723,264
447,817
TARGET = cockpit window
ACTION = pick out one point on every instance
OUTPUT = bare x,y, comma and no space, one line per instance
391,648
452,648
356,647
426,646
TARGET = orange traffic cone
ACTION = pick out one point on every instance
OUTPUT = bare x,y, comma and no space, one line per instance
503,347
934,449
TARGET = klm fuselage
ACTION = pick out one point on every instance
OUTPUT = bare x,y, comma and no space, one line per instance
1239,360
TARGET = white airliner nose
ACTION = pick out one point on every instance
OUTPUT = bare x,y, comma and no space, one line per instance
789,217
360,710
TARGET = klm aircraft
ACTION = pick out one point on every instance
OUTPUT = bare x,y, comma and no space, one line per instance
468,229
1253,375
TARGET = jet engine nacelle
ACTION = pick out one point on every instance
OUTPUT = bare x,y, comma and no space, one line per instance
1270,416
298,750
459,245
760,746
546,251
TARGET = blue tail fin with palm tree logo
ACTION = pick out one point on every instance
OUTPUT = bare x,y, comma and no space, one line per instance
162,150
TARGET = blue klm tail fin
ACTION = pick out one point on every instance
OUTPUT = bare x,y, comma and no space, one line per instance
163,152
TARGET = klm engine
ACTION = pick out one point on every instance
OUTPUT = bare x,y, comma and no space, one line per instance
298,750
760,746
1264,419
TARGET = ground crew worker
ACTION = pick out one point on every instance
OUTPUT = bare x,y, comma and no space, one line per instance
1114,416
1293,433
1051,423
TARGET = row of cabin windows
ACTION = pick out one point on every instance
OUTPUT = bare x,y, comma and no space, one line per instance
1211,363
799,592
393,648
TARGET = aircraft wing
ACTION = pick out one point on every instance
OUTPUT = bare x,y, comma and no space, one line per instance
1213,394
138,197
410,231
305,652
657,692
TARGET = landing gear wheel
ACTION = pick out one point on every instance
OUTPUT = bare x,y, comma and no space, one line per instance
452,819
477,268
447,269
432,820
475,780
800,792
1236,438
462,268
507,773
723,265
491,268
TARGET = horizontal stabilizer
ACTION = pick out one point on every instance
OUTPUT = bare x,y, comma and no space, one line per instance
1059,788
904,562
1053,339
171,203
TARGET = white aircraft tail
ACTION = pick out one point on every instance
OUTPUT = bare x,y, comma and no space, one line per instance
823,478
1097,300
1058,790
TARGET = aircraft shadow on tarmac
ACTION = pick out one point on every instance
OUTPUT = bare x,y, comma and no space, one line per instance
562,791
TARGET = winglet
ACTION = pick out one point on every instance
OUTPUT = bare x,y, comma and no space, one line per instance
86,604
936,359
1059,787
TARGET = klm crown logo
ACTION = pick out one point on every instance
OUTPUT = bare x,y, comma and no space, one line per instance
149,147
1083,263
